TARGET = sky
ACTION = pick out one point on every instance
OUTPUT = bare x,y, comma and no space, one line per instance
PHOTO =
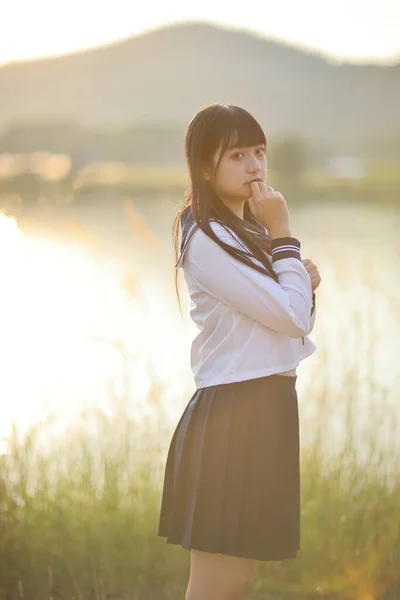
358,31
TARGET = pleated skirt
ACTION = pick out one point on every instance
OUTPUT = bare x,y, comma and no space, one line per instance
232,474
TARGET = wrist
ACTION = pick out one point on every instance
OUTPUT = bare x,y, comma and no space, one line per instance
280,233
285,247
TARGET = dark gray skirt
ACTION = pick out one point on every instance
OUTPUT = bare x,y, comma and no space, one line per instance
232,476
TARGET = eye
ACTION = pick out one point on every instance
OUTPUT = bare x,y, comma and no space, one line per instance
236,154
262,150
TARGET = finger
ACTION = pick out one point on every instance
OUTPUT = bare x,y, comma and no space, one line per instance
308,267
314,286
255,189
315,281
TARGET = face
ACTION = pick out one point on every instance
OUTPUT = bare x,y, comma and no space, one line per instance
238,167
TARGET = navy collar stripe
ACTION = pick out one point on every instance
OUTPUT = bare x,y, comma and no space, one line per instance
189,226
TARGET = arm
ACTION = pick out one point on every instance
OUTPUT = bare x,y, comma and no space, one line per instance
283,306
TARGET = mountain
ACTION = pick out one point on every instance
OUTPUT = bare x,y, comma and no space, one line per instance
168,74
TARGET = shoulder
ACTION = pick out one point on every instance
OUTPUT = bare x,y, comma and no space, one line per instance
201,246
223,233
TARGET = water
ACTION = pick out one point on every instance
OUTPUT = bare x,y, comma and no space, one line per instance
89,314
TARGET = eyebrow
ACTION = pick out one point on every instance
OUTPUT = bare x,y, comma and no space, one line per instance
240,147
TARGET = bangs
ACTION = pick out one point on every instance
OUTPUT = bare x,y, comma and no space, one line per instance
236,128
244,132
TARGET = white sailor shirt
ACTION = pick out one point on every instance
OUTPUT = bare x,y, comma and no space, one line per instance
249,325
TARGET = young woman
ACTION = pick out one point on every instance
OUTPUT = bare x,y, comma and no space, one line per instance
232,481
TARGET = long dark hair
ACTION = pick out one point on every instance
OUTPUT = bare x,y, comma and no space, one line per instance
212,125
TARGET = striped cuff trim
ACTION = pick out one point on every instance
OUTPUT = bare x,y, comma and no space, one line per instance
285,247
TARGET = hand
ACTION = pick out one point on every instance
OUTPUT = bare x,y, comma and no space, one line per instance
313,273
269,207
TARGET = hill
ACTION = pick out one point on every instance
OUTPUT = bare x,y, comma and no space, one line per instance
168,74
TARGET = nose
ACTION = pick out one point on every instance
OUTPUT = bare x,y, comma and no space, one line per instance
254,166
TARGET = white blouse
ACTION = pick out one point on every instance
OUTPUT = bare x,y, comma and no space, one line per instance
250,325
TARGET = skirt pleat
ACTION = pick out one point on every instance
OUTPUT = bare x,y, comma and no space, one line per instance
232,480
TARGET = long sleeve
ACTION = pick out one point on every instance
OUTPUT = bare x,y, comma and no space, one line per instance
282,306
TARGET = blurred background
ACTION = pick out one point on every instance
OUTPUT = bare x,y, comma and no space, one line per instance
94,353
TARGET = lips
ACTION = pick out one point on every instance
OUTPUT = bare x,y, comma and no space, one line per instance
257,179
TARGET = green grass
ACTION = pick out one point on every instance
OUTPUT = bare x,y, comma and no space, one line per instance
384,170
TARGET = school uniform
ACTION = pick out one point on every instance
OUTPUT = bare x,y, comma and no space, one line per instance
232,478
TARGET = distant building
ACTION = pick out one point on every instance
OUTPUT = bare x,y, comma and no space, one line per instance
346,167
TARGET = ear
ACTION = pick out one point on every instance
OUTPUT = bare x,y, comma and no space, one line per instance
206,172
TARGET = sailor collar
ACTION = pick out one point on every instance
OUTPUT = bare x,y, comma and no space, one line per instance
189,226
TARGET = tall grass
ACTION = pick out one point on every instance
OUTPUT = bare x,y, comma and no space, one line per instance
81,520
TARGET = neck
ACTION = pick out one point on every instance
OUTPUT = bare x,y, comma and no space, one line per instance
236,206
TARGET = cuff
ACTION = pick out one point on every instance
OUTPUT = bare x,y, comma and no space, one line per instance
285,247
